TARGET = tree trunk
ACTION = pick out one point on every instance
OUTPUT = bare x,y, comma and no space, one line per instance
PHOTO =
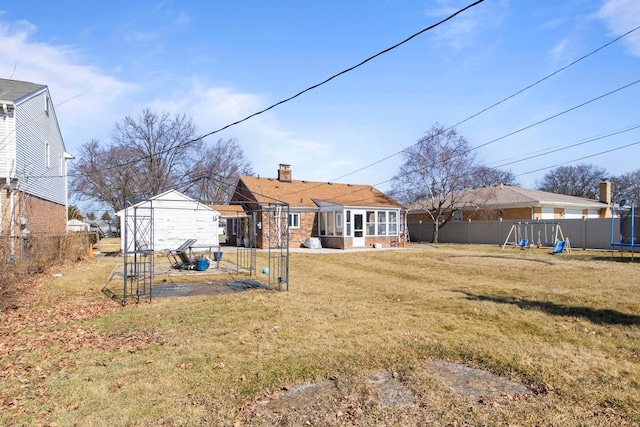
436,227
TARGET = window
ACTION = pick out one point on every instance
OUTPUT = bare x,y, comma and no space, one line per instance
338,223
330,221
371,223
393,223
382,223
234,227
348,223
457,215
294,220
323,223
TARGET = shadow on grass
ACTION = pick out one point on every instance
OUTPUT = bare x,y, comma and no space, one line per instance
625,259
597,316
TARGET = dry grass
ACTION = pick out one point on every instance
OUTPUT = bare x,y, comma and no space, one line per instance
567,326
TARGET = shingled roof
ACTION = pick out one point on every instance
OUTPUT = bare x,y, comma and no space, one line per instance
507,196
14,90
309,194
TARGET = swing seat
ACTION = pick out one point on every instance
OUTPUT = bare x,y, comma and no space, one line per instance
523,243
559,248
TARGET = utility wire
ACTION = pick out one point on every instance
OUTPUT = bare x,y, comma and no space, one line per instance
497,103
315,86
581,158
596,138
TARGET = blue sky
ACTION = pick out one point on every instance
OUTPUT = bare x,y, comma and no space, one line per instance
219,62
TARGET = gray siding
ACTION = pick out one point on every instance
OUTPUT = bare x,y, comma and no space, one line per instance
590,233
35,128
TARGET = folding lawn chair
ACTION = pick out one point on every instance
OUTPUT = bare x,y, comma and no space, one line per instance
180,258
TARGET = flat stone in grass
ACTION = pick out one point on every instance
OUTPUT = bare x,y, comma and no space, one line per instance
475,384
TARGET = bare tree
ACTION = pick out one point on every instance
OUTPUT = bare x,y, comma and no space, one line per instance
626,186
163,148
148,154
213,178
484,176
434,172
107,175
581,180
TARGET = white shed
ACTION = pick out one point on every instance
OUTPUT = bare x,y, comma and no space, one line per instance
176,218
77,225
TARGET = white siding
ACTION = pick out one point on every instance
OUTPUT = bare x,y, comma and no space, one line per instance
7,143
572,213
35,129
547,213
176,218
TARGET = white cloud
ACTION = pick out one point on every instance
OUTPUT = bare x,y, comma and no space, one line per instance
461,30
621,16
84,96
88,101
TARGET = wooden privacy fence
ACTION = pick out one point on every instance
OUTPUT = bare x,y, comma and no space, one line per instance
587,233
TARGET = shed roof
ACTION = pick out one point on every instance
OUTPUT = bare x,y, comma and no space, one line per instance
14,90
309,194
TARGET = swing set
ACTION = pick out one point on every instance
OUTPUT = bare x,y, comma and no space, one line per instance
536,233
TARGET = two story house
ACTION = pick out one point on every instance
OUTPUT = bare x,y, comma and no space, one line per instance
33,162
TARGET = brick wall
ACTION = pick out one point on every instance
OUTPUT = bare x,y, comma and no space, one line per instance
42,216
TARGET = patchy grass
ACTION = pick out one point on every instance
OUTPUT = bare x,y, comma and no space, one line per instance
566,326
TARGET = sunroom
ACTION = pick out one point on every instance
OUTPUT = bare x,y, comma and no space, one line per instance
344,227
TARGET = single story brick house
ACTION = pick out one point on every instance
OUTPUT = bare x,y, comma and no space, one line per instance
341,216
518,204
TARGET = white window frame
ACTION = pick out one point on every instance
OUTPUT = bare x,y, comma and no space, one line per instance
294,220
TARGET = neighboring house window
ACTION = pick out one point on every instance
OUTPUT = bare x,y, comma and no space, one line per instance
457,215
348,223
294,220
234,227
47,154
382,223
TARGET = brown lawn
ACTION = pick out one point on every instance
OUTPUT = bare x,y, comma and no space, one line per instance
453,335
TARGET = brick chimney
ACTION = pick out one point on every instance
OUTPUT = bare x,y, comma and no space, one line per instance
284,173
605,191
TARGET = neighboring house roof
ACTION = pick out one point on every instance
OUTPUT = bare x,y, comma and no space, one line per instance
310,194
13,90
229,211
507,196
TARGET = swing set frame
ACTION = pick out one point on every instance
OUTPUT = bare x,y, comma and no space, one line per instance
520,233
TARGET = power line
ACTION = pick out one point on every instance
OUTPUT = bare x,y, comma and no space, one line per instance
596,138
315,86
581,158
498,103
